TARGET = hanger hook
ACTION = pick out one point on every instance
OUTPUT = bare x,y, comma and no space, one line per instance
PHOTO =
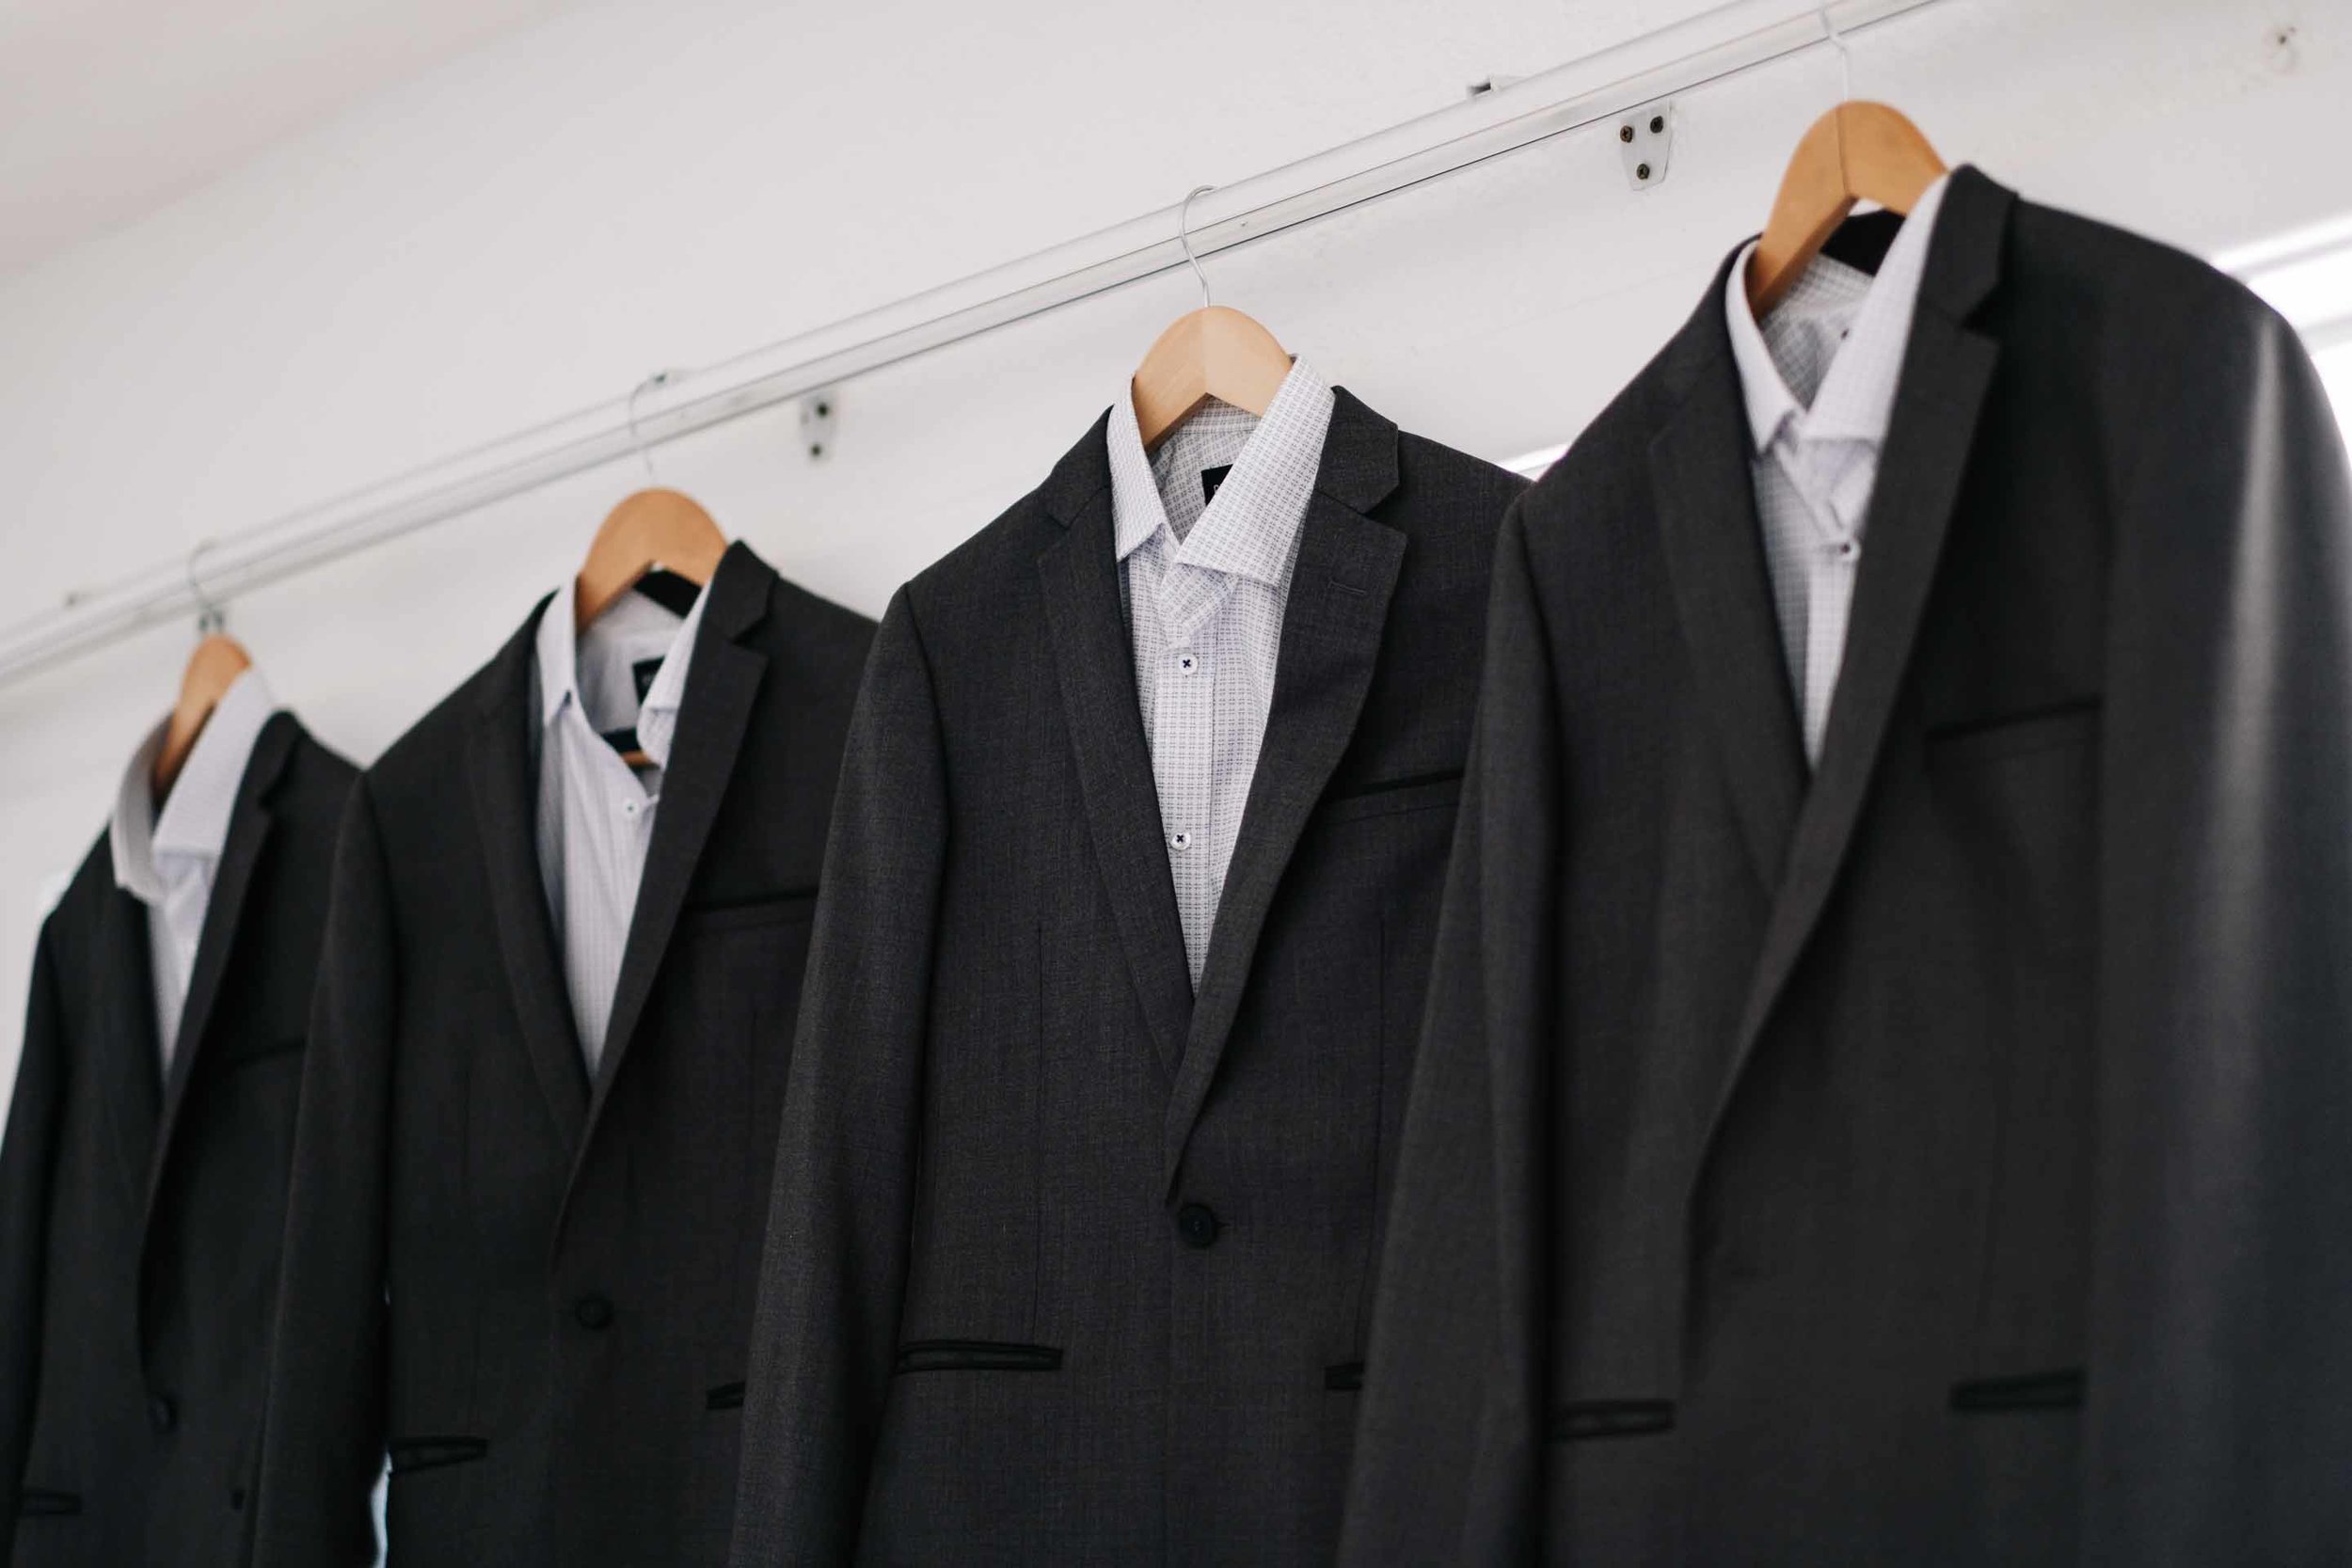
645,453
210,617
1845,51
1183,237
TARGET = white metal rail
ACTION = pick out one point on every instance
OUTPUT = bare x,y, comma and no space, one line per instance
1724,41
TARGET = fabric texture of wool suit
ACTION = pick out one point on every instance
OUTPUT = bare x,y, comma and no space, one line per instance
1939,1160
140,1211
1067,1263
532,1288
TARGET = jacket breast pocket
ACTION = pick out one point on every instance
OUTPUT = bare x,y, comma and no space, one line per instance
1434,791
252,1052
2044,727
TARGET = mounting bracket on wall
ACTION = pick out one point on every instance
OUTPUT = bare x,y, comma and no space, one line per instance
819,413
1645,140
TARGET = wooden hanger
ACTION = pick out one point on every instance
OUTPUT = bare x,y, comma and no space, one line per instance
1855,153
656,527
1214,352
212,669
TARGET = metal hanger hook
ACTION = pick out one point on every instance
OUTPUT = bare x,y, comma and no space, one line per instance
210,617
1183,237
1845,51
645,453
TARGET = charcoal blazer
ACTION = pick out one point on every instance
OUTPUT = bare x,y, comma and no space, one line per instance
1065,1262
533,1289
1941,1158
140,1211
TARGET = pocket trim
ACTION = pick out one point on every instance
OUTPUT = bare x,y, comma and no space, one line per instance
40,1502
1346,1378
2060,1389
977,1355
1596,1419
411,1454
727,1395
2020,733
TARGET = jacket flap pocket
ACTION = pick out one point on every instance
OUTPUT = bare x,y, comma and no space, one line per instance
727,1395
1590,1418
976,1355
35,1502
411,1454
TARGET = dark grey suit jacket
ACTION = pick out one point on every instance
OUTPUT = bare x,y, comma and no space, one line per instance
570,1265
140,1213
1943,1161
1066,1264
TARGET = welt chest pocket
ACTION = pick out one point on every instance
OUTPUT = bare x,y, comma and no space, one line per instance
1435,790
2058,724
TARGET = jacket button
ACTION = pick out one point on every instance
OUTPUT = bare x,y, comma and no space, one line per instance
1196,1224
161,1413
592,1312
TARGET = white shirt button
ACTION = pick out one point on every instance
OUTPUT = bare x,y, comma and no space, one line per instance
1847,550
629,808
1180,841
1187,663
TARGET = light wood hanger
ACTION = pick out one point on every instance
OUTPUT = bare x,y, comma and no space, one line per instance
1855,153
1214,352
655,527
212,669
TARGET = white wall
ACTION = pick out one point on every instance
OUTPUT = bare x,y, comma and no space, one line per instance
664,182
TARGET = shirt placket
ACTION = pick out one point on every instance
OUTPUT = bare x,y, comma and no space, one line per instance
1185,744
1836,550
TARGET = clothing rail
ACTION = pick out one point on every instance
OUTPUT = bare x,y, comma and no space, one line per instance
1722,42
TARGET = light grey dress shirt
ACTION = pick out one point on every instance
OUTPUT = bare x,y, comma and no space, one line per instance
1819,379
168,860
597,812
1205,582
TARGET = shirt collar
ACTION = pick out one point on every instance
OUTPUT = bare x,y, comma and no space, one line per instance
194,822
1252,528
559,672
1856,398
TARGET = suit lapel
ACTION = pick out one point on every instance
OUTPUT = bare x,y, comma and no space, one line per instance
249,823
1078,576
1699,464
1331,627
722,684
133,1066
505,799
1948,369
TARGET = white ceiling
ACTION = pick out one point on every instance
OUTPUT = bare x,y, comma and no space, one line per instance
112,108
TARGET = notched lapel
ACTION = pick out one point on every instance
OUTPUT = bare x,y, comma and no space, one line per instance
1078,576
505,798
249,824
132,1068
1331,629
1707,517
722,685
1948,370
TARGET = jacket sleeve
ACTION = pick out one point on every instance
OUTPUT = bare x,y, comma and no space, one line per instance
2218,1425
825,1330
1449,1435
323,1427
27,1157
